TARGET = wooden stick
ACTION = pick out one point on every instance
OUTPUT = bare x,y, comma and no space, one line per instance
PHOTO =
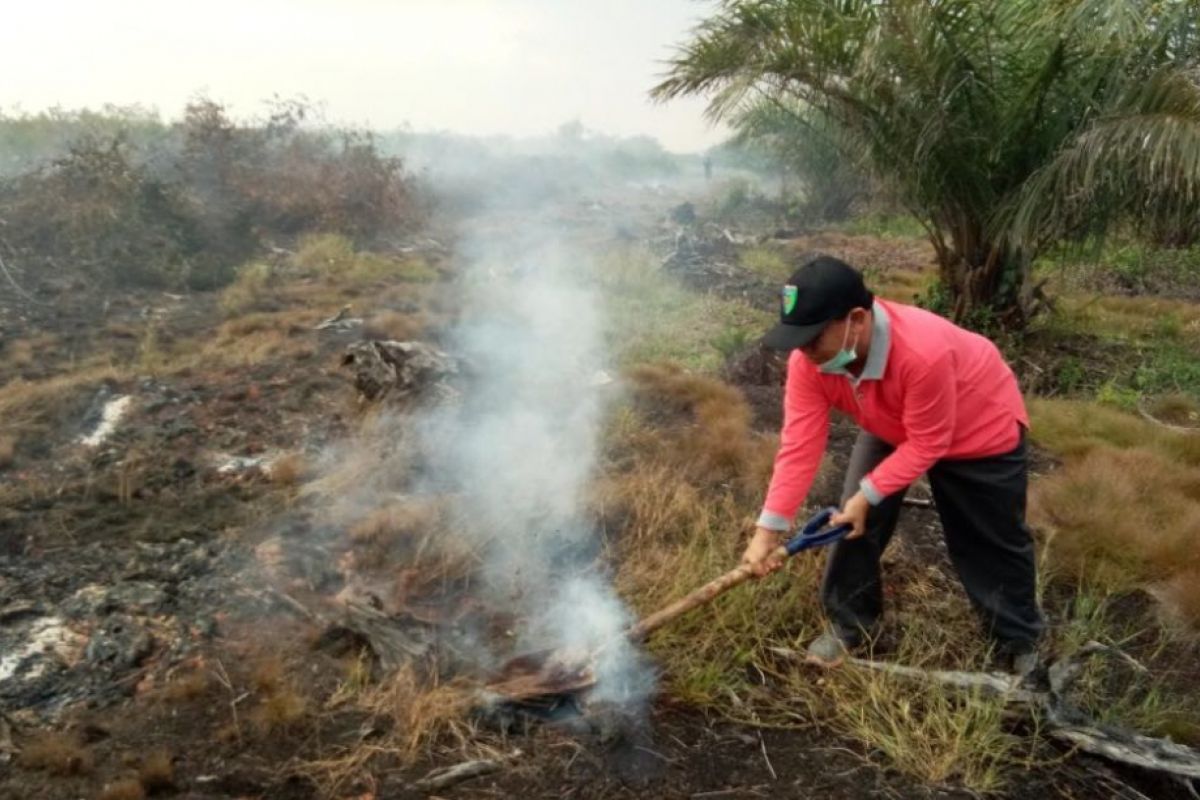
705,594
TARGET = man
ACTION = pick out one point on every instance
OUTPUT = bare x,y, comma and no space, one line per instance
930,398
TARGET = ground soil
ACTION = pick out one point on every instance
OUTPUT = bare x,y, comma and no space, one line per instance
164,580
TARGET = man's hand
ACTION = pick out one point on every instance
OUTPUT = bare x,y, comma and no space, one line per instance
854,513
759,553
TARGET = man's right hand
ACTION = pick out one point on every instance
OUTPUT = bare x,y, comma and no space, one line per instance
760,554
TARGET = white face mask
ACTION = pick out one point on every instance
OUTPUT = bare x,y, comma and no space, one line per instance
843,357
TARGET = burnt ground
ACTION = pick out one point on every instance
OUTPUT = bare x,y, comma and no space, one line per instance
147,605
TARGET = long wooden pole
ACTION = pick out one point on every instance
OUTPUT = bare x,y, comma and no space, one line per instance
699,597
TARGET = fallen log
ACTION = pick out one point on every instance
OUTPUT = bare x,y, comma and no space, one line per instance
1058,720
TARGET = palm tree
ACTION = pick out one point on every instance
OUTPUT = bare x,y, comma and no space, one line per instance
1004,125
802,141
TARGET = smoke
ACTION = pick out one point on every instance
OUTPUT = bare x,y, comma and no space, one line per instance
522,447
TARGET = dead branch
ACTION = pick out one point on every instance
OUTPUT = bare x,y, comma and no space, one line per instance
16,286
918,502
1061,722
445,777
1146,415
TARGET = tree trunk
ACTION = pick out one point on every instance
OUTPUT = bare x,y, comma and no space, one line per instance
985,281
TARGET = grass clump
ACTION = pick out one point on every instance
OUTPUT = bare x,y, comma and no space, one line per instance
1124,510
289,469
421,714
768,262
332,257
936,735
252,286
58,754
156,773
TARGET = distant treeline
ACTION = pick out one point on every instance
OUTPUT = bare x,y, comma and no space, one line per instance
121,197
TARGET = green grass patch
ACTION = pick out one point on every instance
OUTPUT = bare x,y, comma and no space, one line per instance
766,261
652,318
895,226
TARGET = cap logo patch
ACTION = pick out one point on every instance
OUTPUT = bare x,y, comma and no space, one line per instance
790,294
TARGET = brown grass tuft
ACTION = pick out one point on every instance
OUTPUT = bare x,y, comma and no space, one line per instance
289,469
281,710
187,686
1176,409
406,528
58,754
8,450
252,289
267,674
157,772
423,712
716,442
395,326
124,789
1182,596
1123,517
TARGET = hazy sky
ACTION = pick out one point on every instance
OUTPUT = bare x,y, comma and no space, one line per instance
475,66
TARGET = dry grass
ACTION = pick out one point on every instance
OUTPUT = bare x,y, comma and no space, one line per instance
1124,510
36,408
253,287
1181,593
1122,517
185,687
332,257
938,736
1071,429
682,500
281,704
423,717
393,325
267,675
261,338
396,528
1176,409
58,754
157,772
714,442
290,469
423,711
21,354
8,450
124,789
283,709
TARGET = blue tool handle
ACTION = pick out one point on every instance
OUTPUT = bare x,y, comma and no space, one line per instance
814,533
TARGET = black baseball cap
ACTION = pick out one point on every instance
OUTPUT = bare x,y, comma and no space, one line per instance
823,290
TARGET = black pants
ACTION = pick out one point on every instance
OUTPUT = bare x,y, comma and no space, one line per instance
981,503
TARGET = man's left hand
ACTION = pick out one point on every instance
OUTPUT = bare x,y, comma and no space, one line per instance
854,513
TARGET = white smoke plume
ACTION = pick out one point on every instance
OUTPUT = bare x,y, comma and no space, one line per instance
521,448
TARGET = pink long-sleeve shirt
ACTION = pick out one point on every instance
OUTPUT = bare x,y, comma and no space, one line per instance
928,387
